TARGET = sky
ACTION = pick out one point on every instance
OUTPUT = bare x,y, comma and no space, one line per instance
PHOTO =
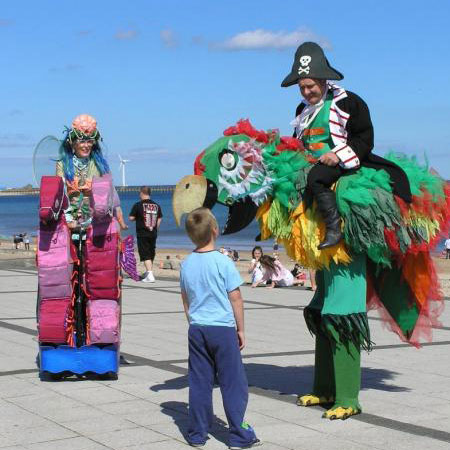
165,78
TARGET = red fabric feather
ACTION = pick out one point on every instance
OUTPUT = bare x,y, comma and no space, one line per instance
199,168
245,127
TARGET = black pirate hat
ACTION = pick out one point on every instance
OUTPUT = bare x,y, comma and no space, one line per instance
310,62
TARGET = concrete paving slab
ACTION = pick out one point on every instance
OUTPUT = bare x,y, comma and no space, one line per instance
120,439
76,443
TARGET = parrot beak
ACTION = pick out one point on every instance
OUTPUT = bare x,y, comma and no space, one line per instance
191,192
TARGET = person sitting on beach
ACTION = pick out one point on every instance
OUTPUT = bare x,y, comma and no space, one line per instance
299,273
255,266
275,271
166,264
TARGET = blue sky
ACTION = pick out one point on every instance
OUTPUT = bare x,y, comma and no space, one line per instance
165,78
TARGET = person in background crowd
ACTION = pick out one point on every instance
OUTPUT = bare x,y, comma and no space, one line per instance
255,266
299,274
148,216
275,271
17,240
312,279
166,264
26,241
447,248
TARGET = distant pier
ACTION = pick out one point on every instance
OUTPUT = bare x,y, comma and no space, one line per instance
35,191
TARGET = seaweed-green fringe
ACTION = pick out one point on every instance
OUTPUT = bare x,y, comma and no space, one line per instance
350,328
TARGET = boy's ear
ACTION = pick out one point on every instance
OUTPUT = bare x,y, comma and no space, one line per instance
216,232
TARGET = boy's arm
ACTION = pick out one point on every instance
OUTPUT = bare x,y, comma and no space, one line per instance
238,309
185,304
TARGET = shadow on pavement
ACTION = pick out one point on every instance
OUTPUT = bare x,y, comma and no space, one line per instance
179,413
299,379
294,379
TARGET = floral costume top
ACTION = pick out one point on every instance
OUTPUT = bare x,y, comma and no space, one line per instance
79,189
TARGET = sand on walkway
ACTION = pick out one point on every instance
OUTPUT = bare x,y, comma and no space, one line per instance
7,251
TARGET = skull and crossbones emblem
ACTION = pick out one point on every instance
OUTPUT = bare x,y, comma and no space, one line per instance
304,62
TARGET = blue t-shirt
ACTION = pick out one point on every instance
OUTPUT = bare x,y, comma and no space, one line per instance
206,278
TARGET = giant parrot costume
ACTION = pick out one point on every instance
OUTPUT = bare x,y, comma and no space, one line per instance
383,261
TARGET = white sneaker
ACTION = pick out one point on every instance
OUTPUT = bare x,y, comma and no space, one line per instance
149,278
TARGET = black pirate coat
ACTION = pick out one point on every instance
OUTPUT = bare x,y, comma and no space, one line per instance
352,131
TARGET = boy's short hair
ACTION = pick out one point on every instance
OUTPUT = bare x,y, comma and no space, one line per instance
145,190
200,224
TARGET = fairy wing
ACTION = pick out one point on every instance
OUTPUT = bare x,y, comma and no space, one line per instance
45,156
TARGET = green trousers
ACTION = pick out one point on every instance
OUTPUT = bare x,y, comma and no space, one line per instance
337,317
337,371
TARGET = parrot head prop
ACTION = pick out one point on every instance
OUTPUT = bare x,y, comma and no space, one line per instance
242,170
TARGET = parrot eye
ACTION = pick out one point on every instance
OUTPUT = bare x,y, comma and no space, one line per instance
227,159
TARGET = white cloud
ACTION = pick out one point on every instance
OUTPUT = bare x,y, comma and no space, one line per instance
261,39
126,35
168,38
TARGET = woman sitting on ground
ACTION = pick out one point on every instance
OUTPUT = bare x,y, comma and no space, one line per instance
275,271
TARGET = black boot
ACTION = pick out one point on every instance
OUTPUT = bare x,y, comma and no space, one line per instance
326,204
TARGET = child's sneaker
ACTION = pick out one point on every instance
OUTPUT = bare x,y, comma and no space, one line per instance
255,443
149,278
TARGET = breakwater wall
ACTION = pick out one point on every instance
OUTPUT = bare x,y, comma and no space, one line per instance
35,191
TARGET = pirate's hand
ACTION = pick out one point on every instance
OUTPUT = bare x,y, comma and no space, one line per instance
329,159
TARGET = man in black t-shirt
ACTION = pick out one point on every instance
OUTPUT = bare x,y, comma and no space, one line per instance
148,216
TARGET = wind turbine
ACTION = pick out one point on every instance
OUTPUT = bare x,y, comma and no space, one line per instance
122,168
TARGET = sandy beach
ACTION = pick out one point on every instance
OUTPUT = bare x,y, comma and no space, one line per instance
8,252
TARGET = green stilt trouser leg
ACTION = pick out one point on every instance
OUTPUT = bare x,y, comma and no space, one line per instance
337,317
337,371
324,382
347,372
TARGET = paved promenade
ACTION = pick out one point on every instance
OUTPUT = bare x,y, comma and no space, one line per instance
405,393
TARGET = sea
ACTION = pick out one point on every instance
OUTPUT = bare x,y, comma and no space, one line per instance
19,214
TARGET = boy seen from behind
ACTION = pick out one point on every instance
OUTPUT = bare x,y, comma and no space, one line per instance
214,309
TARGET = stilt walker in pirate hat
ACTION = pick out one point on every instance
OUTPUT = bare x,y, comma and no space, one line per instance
335,128
384,257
